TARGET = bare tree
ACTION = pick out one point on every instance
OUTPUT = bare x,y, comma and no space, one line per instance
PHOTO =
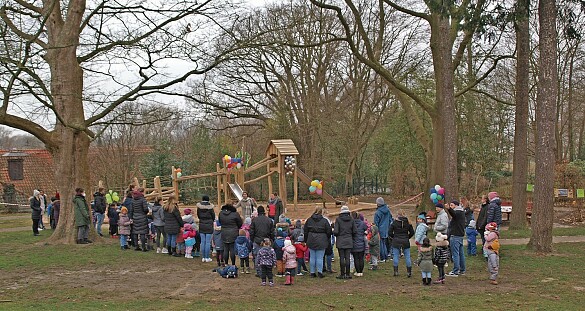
76,61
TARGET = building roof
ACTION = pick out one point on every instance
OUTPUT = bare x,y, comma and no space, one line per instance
38,171
281,147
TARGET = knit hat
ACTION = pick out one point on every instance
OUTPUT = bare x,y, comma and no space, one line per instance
36,192
205,198
187,211
492,195
491,226
248,221
261,210
283,234
282,218
471,223
455,202
124,210
440,237
300,239
439,205
422,216
344,210
287,242
380,201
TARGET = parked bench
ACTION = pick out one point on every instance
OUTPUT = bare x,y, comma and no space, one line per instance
507,209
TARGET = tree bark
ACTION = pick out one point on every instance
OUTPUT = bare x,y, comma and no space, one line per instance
520,171
542,212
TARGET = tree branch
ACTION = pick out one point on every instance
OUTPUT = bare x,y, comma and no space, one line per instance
407,11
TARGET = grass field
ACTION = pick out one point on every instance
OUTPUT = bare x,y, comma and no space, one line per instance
34,275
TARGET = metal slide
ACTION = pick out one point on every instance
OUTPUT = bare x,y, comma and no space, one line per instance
307,180
237,190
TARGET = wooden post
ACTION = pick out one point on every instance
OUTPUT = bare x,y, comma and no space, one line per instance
157,186
136,183
296,188
175,183
225,187
219,187
269,180
281,181
100,184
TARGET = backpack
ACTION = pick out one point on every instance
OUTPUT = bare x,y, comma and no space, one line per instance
495,245
229,272
272,210
242,250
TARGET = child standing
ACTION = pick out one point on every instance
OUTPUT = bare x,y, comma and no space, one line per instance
278,246
217,242
425,261
492,248
374,244
421,230
113,218
189,237
301,249
180,242
243,249
124,230
266,259
441,256
290,261
246,226
471,233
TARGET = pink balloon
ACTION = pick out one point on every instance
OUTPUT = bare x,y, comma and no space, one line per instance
319,191
441,191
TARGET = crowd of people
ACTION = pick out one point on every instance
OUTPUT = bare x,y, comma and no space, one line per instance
267,240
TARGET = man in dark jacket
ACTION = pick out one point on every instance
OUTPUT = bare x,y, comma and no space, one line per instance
100,209
317,233
456,234
206,216
400,232
231,222
494,211
261,228
345,232
383,220
140,222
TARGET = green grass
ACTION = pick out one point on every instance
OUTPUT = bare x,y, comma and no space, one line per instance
525,233
34,275
15,223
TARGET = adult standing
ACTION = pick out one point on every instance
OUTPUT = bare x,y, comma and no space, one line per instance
82,218
317,234
128,204
35,205
230,225
206,216
482,218
139,212
401,231
99,200
261,228
275,207
494,211
56,210
173,223
456,234
344,232
248,206
383,219
158,220
359,244
44,204
442,220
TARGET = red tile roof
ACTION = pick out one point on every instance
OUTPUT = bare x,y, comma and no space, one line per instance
37,169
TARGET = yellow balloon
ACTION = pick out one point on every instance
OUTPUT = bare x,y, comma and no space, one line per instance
319,186
314,183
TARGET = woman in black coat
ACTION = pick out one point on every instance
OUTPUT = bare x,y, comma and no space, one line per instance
139,212
317,233
359,244
401,231
173,223
206,216
231,222
35,205
345,232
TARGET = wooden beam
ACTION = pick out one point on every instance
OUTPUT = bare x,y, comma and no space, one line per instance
157,185
296,188
260,165
175,183
218,178
281,181
212,174
258,178
269,180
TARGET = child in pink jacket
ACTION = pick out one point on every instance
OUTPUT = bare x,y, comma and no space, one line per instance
289,258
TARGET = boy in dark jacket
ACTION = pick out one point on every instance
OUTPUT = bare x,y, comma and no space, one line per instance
113,219
277,246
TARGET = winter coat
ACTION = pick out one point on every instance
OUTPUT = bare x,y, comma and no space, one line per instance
261,228
217,241
468,215
300,249
180,238
56,211
442,222
99,203
206,216
189,234
457,223
248,206
188,219
425,259
400,232
317,232
278,208
359,241
81,211
173,221
139,211
35,205
266,256
128,203
489,240
494,211
421,232
124,225
282,227
442,253
382,220
112,216
471,235
297,231
158,215
344,231
374,242
289,257
278,245
230,225
243,246
482,218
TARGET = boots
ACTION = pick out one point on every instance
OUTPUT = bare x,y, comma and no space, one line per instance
424,280
169,250
175,254
288,280
395,270
408,271
81,242
292,278
429,281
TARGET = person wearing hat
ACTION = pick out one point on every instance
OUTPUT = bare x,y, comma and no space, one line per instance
82,218
494,211
421,229
35,205
261,228
442,221
206,216
456,234
383,219
471,234
492,249
441,256
344,231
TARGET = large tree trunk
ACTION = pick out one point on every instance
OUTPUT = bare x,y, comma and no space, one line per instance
542,213
518,217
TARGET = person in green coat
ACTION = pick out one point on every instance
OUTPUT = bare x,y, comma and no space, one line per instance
82,219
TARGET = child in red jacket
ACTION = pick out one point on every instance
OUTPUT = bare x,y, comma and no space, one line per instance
301,248
189,236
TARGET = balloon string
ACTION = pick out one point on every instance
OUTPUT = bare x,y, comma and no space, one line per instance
414,197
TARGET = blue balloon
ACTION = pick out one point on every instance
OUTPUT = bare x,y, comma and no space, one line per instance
433,190
435,201
433,196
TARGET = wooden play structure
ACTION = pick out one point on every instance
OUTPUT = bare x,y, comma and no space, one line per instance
231,180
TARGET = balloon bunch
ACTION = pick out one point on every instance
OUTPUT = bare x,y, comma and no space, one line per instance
179,172
289,165
112,197
316,187
437,194
230,162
